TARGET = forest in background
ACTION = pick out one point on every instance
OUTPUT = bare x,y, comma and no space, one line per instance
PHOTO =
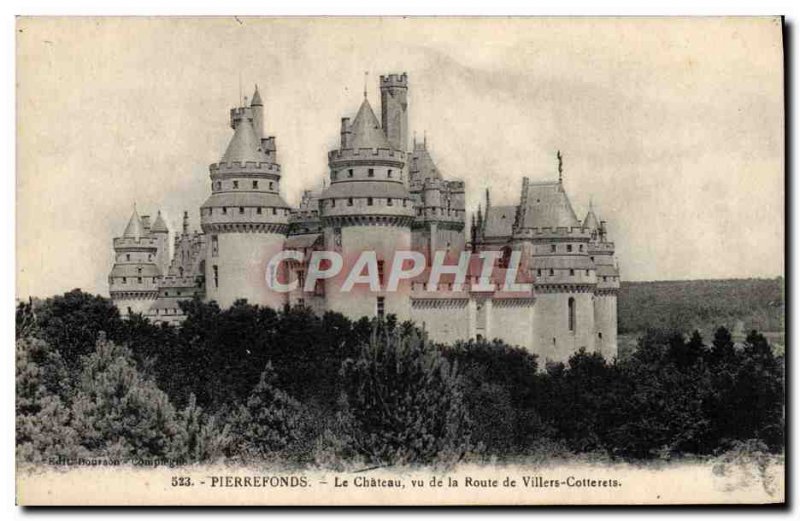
251,384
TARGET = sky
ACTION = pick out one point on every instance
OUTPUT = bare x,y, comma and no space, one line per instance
672,128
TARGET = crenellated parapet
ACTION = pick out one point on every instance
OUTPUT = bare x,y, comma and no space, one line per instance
385,156
239,167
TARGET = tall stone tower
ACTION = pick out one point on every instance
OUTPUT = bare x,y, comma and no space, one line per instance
601,251
367,206
245,218
394,110
133,281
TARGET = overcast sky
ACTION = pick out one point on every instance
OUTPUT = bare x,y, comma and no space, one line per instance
673,128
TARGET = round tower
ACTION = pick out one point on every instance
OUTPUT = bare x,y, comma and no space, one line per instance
601,252
367,207
133,281
245,218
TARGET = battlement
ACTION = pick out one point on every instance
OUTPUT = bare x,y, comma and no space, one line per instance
147,243
601,247
394,80
249,166
175,281
367,154
561,231
240,113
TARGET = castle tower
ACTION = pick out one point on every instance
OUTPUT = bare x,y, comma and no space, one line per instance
367,207
394,109
133,281
553,240
601,252
440,213
160,232
245,218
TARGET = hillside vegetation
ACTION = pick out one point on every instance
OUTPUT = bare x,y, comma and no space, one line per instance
740,305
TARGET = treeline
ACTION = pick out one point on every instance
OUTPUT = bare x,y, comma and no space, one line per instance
702,304
250,383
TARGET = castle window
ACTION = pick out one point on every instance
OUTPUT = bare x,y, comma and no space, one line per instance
258,210
369,201
553,248
236,184
333,203
270,185
538,273
349,201
389,201
580,247
569,247
219,185
216,276
404,203
215,245
592,258
381,307
124,280
333,175
224,210
587,273
139,271
371,172
600,336
380,273
274,211
241,209
130,311
571,313
551,272
350,172
139,280
389,173
255,184
571,273
604,278
127,256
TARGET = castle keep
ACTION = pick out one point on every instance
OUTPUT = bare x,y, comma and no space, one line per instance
381,196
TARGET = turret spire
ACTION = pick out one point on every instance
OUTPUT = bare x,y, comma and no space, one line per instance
560,166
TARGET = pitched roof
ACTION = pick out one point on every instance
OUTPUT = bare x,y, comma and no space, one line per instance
159,225
366,130
422,165
499,221
135,227
547,206
244,145
591,220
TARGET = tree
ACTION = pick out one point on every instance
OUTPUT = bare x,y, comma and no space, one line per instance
269,421
404,401
117,411
200,437
43,420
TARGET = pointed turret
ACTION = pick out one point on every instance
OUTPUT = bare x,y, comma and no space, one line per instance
135,229
159,226
366,130
258,114
591,222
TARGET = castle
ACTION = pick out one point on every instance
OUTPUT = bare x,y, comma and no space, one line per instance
381,197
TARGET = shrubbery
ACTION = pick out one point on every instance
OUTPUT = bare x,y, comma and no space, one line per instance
255,384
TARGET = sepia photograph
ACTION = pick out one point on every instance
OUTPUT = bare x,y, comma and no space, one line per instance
378,261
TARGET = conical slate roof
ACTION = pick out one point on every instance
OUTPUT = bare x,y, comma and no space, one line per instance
366,130
159,225
256,101
244,145
422,164
135,228
591,222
